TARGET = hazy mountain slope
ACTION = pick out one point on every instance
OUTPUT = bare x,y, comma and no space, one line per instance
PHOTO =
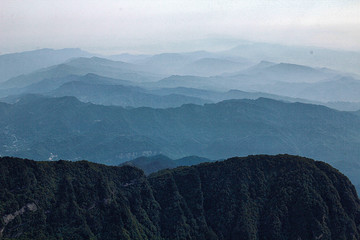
40,128
57,71
344,106
50,84
127,96
199,63
259,67
258,197
168,97
217,96
15,64
266,72
208,83
165,63
151,164
191,160
212,66
338,89
346,61
262,76
66,128
127,57
158,162
83,66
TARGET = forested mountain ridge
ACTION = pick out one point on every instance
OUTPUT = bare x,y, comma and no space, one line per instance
63,128
257,197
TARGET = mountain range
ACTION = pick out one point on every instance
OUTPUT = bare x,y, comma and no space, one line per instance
83,66
165,123
159,162
15,64
212,71
109,91
63,128
257,197
343,89
346,61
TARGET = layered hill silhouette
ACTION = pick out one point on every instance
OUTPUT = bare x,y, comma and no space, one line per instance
109,91
15,64
347,61
257,197
119,95
213,66
343,89
83,66
64,128
221,71
159,162
266,72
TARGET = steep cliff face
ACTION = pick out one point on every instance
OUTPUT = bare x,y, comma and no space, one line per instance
257,197
78,200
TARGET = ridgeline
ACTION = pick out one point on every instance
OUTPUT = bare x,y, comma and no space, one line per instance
256,197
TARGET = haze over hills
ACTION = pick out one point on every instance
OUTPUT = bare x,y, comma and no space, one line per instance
213,66
109,91
163,123
347,61
306,83
159,162
199,63
15,64
127,57
82,66
344,89
148,81
127,96
284,72
63,128
270,197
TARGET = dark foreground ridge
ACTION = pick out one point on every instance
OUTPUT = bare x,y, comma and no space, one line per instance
256,197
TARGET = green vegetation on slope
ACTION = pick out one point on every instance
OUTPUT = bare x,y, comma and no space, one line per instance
258,197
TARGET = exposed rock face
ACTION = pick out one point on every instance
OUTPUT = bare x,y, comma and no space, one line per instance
258,197
8,218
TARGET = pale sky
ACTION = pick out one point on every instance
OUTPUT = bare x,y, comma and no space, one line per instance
114,26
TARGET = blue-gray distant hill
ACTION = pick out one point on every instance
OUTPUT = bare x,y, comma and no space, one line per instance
199,63
288,80
347,61
213,66
65,128
15,64
119,95
283,72
262,73
102,90
340,89
159,162
83,66
109,91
